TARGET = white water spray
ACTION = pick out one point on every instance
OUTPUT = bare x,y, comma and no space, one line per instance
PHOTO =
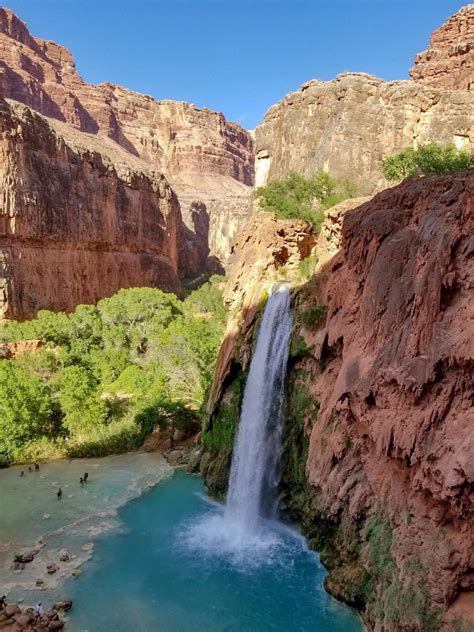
242,531
255,471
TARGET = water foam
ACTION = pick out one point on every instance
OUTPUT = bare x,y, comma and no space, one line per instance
245,531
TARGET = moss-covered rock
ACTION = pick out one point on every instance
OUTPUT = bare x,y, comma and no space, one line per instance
219,435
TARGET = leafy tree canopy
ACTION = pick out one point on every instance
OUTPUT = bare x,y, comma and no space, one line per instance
432,158
140,354
297,197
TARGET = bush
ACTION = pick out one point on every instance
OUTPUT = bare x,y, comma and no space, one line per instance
296,197
298,346
26,411
117,437
167,416
109,373
314,316
428,159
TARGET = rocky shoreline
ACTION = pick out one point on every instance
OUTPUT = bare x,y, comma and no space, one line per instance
13,618
35,573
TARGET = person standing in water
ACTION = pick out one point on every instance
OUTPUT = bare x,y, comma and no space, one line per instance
81,481
37,467
59,493
22,473
86,476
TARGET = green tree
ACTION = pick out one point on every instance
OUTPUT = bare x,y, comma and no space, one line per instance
133,316
103,365
25,408
79,399
297,197
432,158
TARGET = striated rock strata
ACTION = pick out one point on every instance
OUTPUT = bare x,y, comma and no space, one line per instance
378,460
449,61
205,158
77,224
346,126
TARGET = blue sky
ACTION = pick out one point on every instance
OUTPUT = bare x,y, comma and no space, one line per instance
235,56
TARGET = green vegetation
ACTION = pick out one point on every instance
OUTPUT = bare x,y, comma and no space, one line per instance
298,346
407,603
297,197
306,267
313,316
107,375
430,158
302,413
220,436
379,537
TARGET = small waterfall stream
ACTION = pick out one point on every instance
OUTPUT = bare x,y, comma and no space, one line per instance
255,471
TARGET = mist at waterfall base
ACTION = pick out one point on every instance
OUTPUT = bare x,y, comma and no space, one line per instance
149,577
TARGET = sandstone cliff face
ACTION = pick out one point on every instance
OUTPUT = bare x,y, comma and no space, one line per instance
77,224
395,388
449,61
379,450
348,125
205,158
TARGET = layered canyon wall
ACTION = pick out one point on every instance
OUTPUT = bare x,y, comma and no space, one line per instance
79,222
207,160
348,125
449,60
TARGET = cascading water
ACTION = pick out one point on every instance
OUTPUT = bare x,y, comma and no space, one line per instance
244,530
255,470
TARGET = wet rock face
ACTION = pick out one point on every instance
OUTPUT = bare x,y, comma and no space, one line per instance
391,370
378,442
346,126
77,224
449,60
206,158
264,246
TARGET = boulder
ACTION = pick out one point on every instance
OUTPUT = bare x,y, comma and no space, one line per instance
24,620
11,610
64,605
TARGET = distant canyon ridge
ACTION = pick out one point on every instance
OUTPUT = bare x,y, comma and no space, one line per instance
103,188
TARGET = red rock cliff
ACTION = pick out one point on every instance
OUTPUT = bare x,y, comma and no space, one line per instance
379,452
205,158
77,223
449,60
348,125
394,380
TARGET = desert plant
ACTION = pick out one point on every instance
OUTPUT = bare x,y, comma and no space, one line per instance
432,158
297,197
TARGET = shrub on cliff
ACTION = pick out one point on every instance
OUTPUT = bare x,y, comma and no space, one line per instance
428,159
297,197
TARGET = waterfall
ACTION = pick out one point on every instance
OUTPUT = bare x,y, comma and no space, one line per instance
255,470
